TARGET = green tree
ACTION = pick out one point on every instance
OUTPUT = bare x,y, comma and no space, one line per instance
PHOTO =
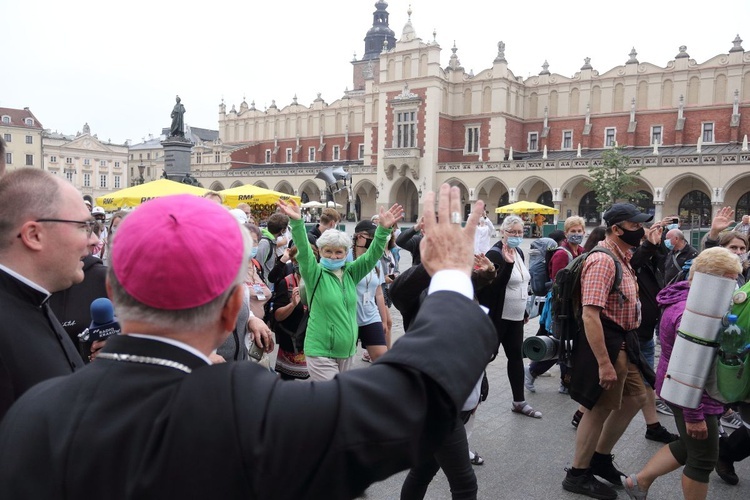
614,180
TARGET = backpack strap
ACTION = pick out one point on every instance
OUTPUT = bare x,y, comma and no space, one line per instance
618,272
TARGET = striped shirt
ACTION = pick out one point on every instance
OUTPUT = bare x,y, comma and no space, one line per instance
597,278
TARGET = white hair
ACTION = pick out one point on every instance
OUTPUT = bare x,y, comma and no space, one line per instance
334,238
511,221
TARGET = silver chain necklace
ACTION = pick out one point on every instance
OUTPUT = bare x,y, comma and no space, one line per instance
147,360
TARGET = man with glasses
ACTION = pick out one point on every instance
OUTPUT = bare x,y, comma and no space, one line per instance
45,232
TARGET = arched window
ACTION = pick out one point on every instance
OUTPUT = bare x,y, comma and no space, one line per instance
645,202
695,207
545,199
588,209
305,198
743,206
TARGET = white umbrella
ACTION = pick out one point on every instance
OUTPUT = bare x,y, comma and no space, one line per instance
332,204
313,204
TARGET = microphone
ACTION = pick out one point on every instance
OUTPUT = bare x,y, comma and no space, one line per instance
103,322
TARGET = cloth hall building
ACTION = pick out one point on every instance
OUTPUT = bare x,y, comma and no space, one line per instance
409,125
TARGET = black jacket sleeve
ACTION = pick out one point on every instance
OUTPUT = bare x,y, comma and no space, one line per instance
406,291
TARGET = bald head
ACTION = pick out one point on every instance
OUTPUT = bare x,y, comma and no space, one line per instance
677,238
27,193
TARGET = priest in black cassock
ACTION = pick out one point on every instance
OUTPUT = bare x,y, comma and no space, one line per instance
152,418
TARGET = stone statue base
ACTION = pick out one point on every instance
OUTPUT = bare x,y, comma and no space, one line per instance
176,157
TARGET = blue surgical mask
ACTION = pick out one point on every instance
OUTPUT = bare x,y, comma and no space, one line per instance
668,244
332,264
672,226
514,241
575,239
254,252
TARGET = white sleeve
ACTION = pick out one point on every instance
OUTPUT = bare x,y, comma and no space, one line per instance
452,280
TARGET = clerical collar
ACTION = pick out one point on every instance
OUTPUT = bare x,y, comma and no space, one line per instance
182,345
25,280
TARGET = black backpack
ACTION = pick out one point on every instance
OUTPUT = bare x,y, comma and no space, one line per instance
567,310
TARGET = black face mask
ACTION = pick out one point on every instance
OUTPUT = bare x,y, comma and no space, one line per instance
632,238
367,243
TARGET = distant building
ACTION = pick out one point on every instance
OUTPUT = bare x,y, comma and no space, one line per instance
23,135
409,125
93,166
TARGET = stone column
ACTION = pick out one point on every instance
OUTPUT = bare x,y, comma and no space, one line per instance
177,157
658,210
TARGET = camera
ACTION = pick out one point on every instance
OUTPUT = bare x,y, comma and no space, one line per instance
675,220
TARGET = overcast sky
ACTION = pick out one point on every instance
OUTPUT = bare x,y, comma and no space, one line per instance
118,65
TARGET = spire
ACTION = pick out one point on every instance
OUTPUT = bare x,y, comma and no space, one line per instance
379,34
454,63
632,55
737,44
408,32
545,68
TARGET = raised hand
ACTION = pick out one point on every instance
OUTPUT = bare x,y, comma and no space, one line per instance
482,263
290,209
509,254
445,244
653,234
724,217
389,217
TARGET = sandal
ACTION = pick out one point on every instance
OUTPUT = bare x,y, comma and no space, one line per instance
633,491
526,409
476,459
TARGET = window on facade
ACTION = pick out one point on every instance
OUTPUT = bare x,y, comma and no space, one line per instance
471,140
361,151
708,132
148,156
336,153
198,157
69,160
29,122
29,139
533,141
69,176
406,129
7,137
117,181
86,162
656,135
268,156
609,137
217,157
29,160
140,156
9,158
103,163
311,154
53,159
131,156
567,139
86,180
6,119
289,155
117,164
102,181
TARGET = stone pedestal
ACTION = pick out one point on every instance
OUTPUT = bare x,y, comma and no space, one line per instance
177,157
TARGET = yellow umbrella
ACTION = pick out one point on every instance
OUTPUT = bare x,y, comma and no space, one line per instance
522,207
254,195
134,196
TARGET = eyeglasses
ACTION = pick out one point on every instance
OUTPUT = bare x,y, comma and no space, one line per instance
514,233
84,225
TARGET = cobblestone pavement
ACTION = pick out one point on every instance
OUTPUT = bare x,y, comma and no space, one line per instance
525,457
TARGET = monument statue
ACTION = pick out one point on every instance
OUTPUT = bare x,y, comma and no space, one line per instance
178,124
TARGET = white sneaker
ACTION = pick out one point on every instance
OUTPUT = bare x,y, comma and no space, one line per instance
731,420
663,408
528,379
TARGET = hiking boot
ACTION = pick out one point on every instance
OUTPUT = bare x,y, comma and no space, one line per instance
725,470
661,434
663,408
528,379
587,484
604,467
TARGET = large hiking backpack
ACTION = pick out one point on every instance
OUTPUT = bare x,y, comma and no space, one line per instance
567,310
538,265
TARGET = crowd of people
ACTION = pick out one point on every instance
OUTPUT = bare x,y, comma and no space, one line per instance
204,295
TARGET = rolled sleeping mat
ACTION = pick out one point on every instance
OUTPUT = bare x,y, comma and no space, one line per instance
695,347
541,348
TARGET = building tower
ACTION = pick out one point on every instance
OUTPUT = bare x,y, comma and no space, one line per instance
380,33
